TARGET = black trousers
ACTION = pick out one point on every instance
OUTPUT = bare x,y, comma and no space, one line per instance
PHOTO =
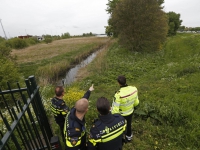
129,120
61,125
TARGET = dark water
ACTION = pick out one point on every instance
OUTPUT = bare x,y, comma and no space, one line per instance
72,73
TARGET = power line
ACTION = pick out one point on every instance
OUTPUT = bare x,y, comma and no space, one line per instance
3,30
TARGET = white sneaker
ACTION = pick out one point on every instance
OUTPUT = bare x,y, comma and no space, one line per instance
129,138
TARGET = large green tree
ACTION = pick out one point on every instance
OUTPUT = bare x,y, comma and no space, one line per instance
174,22
140,25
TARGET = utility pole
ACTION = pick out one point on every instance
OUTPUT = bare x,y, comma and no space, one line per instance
3,30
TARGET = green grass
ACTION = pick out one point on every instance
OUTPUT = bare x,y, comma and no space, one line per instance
168,84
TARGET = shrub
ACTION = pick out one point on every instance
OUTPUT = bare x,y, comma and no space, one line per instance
4,51
8,72
31,41
48,40
18,43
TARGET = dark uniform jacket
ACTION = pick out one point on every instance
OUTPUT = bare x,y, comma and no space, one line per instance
74,130
59,109
107,133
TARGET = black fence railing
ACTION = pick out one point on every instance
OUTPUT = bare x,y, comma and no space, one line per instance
23,123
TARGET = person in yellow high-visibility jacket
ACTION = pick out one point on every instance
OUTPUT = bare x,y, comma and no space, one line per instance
125,99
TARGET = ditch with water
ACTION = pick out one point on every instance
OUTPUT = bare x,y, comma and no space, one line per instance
72,73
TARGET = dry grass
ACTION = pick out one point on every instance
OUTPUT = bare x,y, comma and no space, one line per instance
46,51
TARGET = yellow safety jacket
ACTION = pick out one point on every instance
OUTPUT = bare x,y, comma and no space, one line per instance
125,100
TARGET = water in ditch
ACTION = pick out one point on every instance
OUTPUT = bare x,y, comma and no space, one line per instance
72,73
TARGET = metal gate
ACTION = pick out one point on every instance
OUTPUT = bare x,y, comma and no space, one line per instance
24,124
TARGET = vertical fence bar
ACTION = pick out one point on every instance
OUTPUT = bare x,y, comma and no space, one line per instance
28,129
10,130
16,105
11,115
13,98
41,107
26,121
29,88
2,143
39,114
6,105
21,129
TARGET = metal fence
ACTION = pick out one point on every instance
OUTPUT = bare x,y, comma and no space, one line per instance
24,123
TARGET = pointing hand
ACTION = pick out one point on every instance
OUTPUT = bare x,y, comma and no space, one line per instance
91,88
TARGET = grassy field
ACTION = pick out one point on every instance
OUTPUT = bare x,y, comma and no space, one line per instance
168,84
50,61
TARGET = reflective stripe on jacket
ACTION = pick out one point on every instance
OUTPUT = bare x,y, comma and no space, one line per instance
74,131
125,100
59,109
107,133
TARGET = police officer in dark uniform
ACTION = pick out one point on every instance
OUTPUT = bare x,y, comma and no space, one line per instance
59,108
74,128
107,131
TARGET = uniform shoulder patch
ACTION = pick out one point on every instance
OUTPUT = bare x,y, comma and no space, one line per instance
77,129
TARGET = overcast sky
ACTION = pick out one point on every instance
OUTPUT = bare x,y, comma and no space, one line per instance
54,17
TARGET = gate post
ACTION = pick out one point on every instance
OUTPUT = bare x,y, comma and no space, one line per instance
38,98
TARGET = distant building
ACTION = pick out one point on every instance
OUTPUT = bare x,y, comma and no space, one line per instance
24,36
40,38
101,35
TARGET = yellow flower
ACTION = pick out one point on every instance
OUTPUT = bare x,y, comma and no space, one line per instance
72,95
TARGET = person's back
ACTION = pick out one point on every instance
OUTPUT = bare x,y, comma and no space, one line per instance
74,128
59,108
127,96
74,131
124,102
107,132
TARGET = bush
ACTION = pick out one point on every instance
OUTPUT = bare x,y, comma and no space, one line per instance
18,43
4,51
48,40
31,41
2,39
8,72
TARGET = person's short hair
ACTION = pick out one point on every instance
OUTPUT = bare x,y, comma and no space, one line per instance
81,105
121,79
103,105
59,90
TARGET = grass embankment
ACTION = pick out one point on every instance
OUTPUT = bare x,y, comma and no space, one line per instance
50,61
168,84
